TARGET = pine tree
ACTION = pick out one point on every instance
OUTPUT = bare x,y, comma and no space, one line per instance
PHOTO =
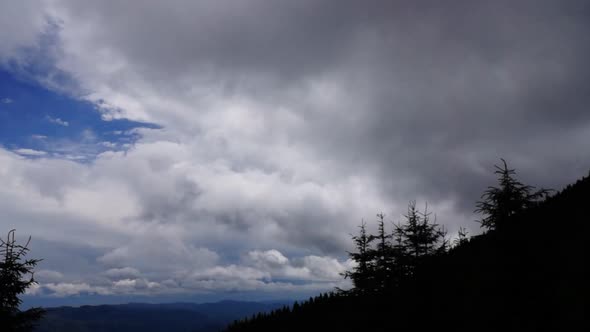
382,255
509,198
16,276
361,275
401,267
418,237
443,243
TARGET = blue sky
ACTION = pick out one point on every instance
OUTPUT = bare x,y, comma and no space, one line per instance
35,121
246,140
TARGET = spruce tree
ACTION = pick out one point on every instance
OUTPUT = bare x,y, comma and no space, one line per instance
382,255
419,237
401,267
498,204
16,276
362,274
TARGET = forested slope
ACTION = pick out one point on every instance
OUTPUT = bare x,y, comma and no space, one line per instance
527,275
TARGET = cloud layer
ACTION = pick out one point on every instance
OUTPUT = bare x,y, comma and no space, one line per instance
283,124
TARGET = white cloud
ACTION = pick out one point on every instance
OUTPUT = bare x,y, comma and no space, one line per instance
48,276
135,286
326,268
57,121
305,268
309,273
30,152
6,101
109,145
69,289
248,278
33,289
270,258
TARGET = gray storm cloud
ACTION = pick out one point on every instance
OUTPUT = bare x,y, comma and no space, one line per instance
286,122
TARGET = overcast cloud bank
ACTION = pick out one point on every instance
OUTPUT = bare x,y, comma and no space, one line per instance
284,123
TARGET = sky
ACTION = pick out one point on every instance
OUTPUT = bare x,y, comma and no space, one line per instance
199,150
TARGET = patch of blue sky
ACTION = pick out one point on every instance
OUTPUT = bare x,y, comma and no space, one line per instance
39,122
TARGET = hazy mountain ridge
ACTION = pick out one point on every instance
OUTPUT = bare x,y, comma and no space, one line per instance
145,317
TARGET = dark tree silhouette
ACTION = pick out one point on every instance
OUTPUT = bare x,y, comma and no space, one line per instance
462,237
16,275
421,237
498,204
394,257
382,255
361,275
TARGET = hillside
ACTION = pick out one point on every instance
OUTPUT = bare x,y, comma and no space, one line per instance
136,317
528,276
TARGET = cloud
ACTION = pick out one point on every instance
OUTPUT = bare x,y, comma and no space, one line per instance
57,121
6,101
30,152
48,276
270,270
69,289
376,88
127,286
109,145
318,268
22,21
252,273
157,253
270,258
326,268
285,124
122,273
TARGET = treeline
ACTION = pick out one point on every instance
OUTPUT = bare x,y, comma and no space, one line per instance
523,273
387,260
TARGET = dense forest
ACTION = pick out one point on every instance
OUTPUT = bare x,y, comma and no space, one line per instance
523,273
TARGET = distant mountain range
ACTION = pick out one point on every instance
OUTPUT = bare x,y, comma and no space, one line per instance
144,317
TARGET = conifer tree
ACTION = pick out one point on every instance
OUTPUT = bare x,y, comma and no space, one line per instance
509,198
443,245
395,255
16,276
418,237
401,267
382,254
361,275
